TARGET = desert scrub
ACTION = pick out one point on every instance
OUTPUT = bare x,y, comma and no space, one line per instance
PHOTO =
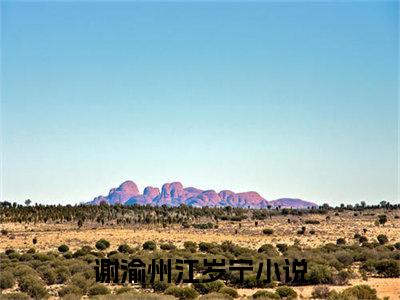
318,274
215,296
312,221
167,246
229,291
81,281
208,287
182,293
286,292
382,239
70,289
98,289
47,274
102,244
320,292
265,295
33,286
364,292
192,246
63,248
7,280
125,248
282,248
15,296
268,231
149,245
268,249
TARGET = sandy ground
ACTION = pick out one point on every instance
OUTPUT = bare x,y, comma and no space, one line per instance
50,236
385,287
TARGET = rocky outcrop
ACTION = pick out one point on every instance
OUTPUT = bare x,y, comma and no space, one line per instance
174,194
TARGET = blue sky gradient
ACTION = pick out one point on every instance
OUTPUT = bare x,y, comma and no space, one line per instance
287,99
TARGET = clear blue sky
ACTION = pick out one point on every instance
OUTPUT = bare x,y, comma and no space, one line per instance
290,100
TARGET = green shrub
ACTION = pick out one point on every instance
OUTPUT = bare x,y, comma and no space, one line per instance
81,281
229,291
15,296
70,289
102,244
182,293
212,248
382,239
124,290
98,289
397,245
7,280
149,245
47,274
320,292
364,292
341,278
268,231
382,219
125,248
268,249
388,268
62,274
312,222
282,247
341,241
319,274
190,246
167,246
215,296
208,287
33,286
63,248
265,295
286,292
160,286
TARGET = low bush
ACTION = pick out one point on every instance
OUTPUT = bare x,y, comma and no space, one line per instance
63,248
102,244
268,249
167,246
208,287
33,286
341,241
268,231
182,293
229,291
7,280
282,247
382,239
286,292
98,289
265,295
320,292
388,268
319,274
364,292
15,296
70,289
149,245
204,226
190,246
215,296
124,248
312,222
